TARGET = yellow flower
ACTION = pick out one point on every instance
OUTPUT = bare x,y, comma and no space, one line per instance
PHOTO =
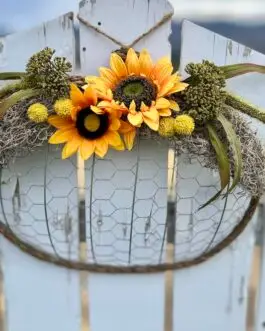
89,129
140,88
166,127
184,125
38,113
63,107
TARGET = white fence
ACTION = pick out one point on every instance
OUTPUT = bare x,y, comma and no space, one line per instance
39,296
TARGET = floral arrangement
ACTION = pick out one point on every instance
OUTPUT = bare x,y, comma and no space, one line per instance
134,97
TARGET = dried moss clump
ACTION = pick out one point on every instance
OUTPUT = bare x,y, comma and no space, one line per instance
48,73
205,96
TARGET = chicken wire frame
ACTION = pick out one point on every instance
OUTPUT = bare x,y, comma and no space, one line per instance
126,196
125,193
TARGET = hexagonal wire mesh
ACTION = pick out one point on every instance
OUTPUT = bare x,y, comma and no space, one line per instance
126,205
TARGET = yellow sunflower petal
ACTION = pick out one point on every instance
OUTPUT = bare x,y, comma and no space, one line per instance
96,82
90,96
87,148
162,69
97,110
108,76
178,87
162,103
113,138
101,147
77,97
164,112
164,89
146,64
125,127
132,108
129,137
59,122
117,65
92,79
144,107
114,124
132,62
71,147
135,119
151,118
109,94
174,105
119,147
61,136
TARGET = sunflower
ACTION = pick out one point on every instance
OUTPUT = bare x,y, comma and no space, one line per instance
140,88
88,129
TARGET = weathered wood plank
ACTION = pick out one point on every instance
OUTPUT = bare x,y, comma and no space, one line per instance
221,291
15,49
126,21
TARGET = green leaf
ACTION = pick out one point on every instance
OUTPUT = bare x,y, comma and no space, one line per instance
222,160
10,88
14,98
11,75
234,70
236,149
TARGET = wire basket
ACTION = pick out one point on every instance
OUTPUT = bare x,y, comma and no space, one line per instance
125,210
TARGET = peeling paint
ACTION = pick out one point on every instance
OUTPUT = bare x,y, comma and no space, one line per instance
229,47
241,291
82,3
247,51
44,31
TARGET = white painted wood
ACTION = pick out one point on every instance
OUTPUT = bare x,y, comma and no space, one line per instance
114,301
15,49
221,292
124,20
51,294
212,295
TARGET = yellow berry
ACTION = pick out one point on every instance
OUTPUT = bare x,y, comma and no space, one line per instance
63,107
37,113
166,127
184,125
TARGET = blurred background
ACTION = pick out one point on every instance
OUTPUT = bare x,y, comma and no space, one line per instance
241,20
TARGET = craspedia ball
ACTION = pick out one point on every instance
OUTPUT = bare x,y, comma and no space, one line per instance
63,107
184,125
166,127
37,113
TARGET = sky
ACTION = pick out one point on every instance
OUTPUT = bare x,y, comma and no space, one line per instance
24,14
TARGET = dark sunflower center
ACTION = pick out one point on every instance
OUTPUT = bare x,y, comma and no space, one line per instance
90,125
136,88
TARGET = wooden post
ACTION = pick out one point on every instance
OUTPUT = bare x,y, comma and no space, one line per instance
170,246
84,296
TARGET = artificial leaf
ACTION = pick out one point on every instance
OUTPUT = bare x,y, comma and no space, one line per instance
222,160
8,89
233,70
14,98
236,149
11,75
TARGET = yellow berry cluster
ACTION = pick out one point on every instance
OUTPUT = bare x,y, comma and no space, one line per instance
38,112
181,125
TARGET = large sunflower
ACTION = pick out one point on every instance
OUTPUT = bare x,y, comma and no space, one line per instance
141,89
88,129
